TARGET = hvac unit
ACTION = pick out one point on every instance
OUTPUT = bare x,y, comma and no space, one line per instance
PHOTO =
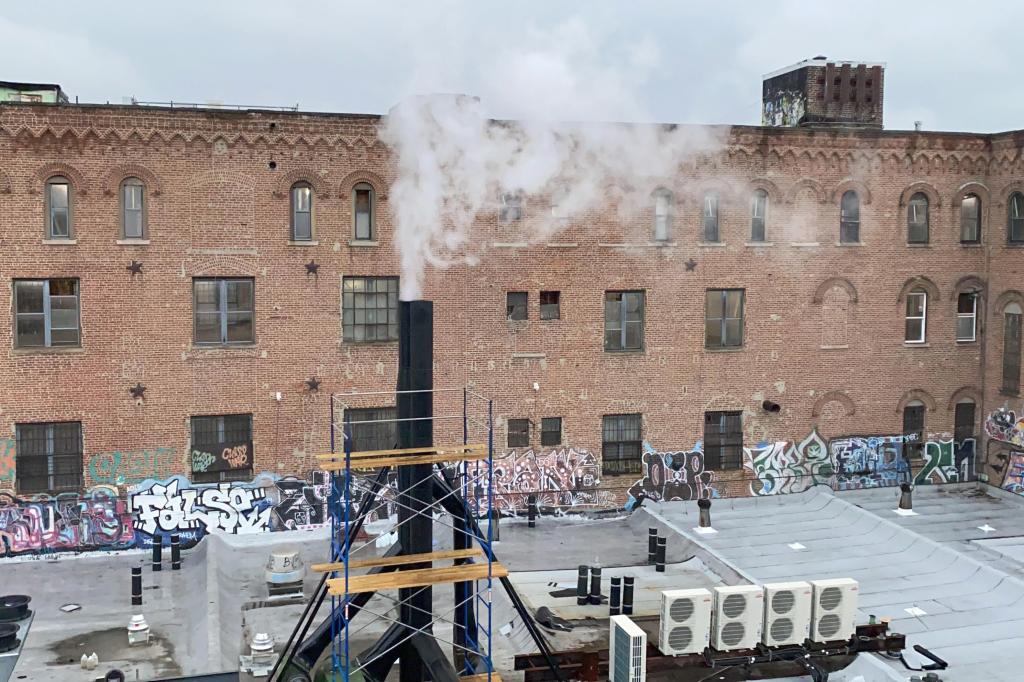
787,613
627,651
685,621
737,617
834,611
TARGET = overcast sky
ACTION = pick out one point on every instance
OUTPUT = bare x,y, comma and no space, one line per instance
952,65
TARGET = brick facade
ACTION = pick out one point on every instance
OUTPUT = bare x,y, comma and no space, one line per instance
823,332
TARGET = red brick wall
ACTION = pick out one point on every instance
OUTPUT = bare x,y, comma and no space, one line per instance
222,211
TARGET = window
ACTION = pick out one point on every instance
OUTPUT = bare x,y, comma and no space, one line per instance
758,211
723,440
46,313
223,311
302,212
511,207
373,428
963,421
621,443
58,208
1015,228
363,211
551,431
516,305
48,457
917,313
550,305
966,316
913,430
723,321
710,217
133,212
849,218
1011,348
369,309
970,220
519,433
662,215
222,448
917,219
623,320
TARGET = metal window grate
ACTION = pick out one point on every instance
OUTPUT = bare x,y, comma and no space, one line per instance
48,457
551,431
723,440
381,431
622,442
212,433
518,433
369,309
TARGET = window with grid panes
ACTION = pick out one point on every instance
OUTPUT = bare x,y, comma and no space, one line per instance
551,431
970,219
373,428
48,457
550,305
966,316
849,218
913,430
758,211
723,440
917,219
516,305
369,309
46,313
623,320
723,323
621,443
215,433
518,433
224,310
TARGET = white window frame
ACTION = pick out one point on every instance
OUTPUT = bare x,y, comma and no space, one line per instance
923,317
972,316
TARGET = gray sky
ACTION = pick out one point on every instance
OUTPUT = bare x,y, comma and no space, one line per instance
951,65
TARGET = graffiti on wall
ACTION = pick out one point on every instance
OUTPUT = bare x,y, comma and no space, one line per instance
946,461
97,519
1014,481
1005,458
562,477
6,461
674,476
130,467
788,467
1005,426
222,457
869,461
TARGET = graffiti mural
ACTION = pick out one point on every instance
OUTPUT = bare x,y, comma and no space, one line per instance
869,461
98,519
131,467
674,476
7,462
1005,426
786,467
563,477
946,461
301,504
1014,481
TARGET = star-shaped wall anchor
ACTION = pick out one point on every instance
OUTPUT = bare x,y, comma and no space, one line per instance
312,268
691,265
135,267
313,384
138,391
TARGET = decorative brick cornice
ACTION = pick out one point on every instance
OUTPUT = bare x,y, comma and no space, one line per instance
1007,297
842,282
916,394
919,282
969,283
65,170
852,184
964,393
117,175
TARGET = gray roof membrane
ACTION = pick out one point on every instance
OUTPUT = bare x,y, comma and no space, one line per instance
972,599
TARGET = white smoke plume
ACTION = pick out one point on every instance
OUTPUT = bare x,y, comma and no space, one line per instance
453,162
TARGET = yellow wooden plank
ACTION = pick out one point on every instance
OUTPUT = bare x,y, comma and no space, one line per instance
378,462
404,451
442,555
420,577
482,677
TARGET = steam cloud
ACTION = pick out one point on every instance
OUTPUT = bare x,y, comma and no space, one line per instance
453,162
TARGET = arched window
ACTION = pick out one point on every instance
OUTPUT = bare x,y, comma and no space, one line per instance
849,218
662,214
963,420
133,209
835,317
917,219
710,215
1011,348
970,219
1015,224
58,208
758,212
913,429
363,212
917,316
302,212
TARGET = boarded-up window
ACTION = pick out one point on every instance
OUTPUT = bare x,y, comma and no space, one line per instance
835,317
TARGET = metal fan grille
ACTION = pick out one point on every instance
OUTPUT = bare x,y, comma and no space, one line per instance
734,605
830,598
680,610
733,633
782,602
781,629
680,637
829,624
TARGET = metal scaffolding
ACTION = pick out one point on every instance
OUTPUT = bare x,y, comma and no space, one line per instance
459,476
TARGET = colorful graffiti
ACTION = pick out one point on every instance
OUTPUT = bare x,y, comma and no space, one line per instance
130,467
1005,426
785,467
99,519
563,477
1014,481
869,461
946,461
301,504
6,461
674,476
1006,462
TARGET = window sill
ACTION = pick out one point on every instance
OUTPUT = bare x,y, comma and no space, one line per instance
132,242
303,242
918,246
970,245
916,344
510,245
1015,245
561,245
729,349
638,245
529,356
60,242
363,242
804,244
625,351
842,347
348,342
966,342
1008,392
850,244
710,245
224,347
755,245
70,350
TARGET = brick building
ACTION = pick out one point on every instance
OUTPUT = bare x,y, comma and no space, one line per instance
183,280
